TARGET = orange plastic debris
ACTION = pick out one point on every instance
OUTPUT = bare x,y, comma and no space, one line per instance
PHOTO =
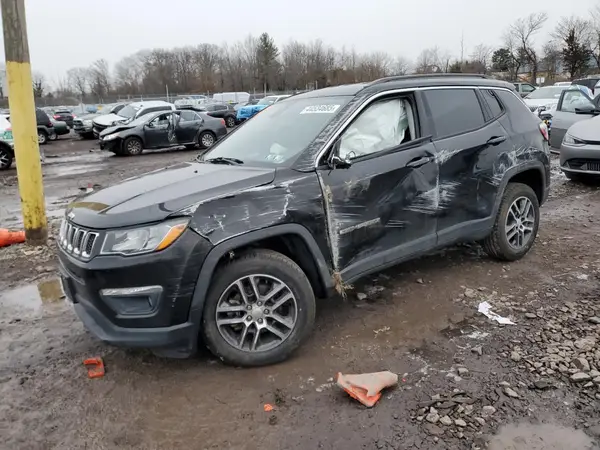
11,237
268,407
95,367
366,387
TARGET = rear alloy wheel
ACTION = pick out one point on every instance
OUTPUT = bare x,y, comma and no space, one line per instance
6,159
230,122
516,224
132,146
206,139
42,137
259,309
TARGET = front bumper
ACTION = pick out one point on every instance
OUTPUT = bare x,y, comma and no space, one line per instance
83,129
157,318
111,146
580,159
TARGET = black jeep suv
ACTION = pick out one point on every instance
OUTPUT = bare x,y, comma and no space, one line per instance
314,192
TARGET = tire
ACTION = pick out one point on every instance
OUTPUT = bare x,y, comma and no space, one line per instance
132,146
42,137
6,159
497,244
230,122
262,264
206,139
53,137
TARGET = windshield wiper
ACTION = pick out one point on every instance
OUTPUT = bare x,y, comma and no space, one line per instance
224,160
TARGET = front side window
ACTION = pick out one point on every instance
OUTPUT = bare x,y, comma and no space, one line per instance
277,135
573,99
454,111
381,126
161,121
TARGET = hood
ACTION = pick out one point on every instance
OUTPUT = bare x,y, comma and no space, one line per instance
108,119
586,129
540,101
88,116
115,129
157,195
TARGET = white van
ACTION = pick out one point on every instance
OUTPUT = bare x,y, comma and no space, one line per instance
231,97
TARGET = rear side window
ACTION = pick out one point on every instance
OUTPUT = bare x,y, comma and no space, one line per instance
454,111
492,102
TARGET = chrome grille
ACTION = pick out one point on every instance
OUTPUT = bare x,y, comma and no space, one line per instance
77,241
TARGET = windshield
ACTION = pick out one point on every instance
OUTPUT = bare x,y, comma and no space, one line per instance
267,101
547,92
279,133
129,111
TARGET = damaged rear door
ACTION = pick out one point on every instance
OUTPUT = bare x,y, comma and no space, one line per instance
378,186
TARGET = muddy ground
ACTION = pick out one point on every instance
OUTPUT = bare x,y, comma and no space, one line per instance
466,381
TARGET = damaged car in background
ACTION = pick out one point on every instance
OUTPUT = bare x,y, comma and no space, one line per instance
84,126
162,130
129,113
580,149
315,192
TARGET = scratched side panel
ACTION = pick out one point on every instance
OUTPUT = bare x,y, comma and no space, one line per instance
294,197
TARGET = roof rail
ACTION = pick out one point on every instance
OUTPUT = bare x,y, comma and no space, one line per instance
429,75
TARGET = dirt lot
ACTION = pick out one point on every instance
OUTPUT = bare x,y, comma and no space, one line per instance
466,381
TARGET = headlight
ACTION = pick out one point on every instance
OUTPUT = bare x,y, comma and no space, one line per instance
110,137
145,239
570,140
87,123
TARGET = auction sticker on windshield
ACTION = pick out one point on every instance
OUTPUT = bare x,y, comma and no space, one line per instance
320,109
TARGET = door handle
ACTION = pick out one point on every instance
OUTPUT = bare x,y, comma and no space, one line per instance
495,140
418,162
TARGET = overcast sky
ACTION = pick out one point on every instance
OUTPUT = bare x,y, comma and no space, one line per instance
69,33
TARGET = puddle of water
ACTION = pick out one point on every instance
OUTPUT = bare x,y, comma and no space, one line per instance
540,437
29,301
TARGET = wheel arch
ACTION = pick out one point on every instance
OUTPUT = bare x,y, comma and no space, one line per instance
533,174
292,240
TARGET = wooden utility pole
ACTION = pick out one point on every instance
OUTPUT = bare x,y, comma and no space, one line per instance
23,121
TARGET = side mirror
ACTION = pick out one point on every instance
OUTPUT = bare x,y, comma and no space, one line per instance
335,161
150,125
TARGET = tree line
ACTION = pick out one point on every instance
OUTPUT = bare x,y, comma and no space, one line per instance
258,64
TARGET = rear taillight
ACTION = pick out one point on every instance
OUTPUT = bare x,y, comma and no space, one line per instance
544,131
56,116
223,122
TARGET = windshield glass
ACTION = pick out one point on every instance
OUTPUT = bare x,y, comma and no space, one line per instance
267,101
129,111
547,92
279,133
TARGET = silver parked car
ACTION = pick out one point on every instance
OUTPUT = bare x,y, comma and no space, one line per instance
580,150
573,106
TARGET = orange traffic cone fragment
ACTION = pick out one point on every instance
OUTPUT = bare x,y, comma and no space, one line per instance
11,237
367,387
95,367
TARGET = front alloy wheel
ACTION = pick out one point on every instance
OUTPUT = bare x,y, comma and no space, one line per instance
259,309
5,159
42,138
256,313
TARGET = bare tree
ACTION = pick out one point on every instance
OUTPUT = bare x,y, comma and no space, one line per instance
99,78
78,80
482,57
428,61
523,32
594,34
39,84
401,66
551,59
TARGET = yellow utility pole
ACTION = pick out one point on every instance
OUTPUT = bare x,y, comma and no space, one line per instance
23,121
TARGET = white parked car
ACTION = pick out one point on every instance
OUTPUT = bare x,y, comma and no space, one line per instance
544,98
191,100
231,97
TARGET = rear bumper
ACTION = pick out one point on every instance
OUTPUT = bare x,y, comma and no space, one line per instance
584,160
